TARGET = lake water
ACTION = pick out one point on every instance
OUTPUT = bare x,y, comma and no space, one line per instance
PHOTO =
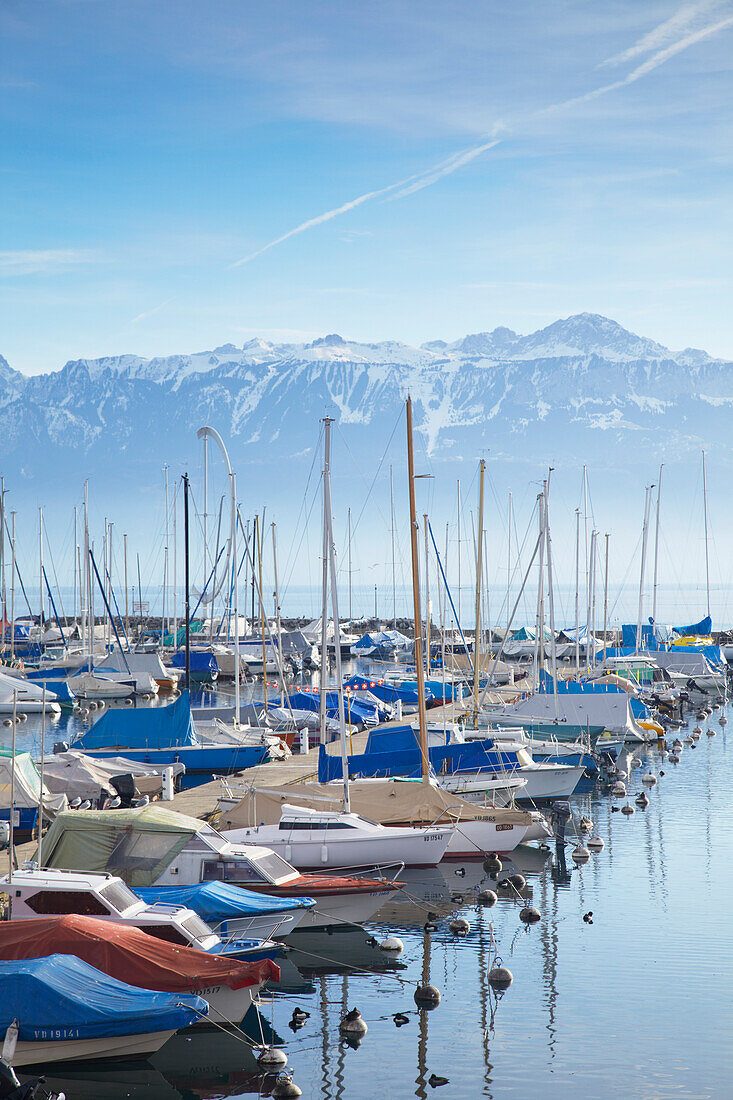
635,1004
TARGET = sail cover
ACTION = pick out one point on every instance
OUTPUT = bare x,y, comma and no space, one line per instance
147,728
128,954
220,901
60,997
135,844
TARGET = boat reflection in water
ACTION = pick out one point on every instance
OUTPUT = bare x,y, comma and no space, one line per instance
443,889
342,950
192,1065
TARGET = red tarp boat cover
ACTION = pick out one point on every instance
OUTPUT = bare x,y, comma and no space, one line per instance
128,954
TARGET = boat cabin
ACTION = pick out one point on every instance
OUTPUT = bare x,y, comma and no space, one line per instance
208,857
43,893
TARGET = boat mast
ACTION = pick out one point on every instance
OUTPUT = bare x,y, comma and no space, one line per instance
262,611
187,606
350,606
394,574
277,613
427,599
237,670
656,547
479,547
75,555
12,587
605,603
327,421
328,530
707,553
459,552
40,567
577,590
127,610
643,565
509,559
164,620
421,709
553,644
539,649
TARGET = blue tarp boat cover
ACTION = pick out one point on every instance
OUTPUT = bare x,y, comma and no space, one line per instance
60,997
703,628
220,901
199,662
359,709
147,728
473,756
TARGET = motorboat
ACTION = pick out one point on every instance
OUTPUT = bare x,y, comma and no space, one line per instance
35,892
69,1011
129,955
182,851
400,802
233,911
25,697
166,735
311,838
89,685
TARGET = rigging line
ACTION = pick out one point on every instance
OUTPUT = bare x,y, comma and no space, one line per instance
370,488
55,576
316,452
17,570
287,577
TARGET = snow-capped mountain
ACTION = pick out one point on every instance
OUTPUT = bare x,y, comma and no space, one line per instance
582,388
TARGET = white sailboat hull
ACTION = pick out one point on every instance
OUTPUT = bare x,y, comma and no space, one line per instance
326,850
46,1050
543,781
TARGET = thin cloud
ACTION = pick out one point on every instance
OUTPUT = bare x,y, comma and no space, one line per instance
409,186
150,312
665,32
445,168
404,187
648,66
31,261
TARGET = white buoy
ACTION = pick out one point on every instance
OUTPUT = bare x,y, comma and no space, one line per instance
649,780
636,762
459,926
392,945
7,721
581,854
271,1057
627,809
529,915
22,717
595,844
619,790
697,730
500,977
353,1023
427,996
710,732
585,825
487,898
674,758
642,799
285,1088
723,720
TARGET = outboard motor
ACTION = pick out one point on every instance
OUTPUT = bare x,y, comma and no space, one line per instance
32,1089
125,787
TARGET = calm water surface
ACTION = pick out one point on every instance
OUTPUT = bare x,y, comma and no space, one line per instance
636,1004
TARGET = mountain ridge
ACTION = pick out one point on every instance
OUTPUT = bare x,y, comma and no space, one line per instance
578,387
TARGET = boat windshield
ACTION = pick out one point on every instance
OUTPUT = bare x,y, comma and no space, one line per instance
119,896
197,927
268,867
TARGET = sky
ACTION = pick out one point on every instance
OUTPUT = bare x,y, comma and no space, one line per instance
177,175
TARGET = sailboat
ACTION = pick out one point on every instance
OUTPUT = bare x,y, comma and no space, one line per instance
316,838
